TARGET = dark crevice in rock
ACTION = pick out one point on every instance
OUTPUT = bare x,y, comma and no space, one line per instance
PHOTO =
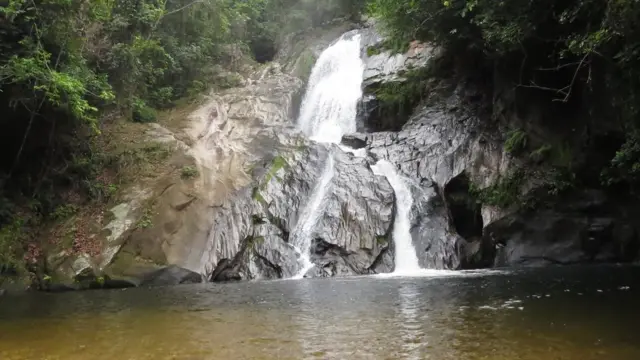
280,224
229,270
464,209
264,50
320,247
296,103
373,116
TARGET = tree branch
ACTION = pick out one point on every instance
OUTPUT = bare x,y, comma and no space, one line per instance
564,91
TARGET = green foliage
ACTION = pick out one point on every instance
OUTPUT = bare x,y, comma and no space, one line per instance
162,97
142,113
625,166
257,220
504,193
11,242
146,221
578,52
189,172
257,196
278,163
251,241
64,211
228,81
373,50
65,64
516,142
397,99
541,153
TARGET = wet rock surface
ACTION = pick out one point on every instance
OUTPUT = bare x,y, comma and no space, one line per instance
358,215
450,139
384,66
171,275
257,173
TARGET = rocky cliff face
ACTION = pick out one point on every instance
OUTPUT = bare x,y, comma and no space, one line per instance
453,148
257,173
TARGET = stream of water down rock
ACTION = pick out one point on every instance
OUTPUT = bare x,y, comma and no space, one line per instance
328,112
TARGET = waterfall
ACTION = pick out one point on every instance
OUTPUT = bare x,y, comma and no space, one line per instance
406,260
328,111
329,108
312,211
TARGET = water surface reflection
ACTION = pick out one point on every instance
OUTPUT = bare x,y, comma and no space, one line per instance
573,314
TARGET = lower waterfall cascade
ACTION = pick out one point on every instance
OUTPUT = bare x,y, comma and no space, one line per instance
405,259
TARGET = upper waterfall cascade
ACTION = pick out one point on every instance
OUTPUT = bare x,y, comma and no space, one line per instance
329,107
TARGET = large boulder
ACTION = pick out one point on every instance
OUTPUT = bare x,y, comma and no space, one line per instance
585,227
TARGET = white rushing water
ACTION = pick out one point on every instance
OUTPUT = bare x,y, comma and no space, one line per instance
406,260
329,108
310,214
328,111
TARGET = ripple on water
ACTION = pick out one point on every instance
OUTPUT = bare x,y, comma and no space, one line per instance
503,317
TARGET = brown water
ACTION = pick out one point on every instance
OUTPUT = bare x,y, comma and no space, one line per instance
550,314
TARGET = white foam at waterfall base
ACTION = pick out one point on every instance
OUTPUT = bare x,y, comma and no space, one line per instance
405,258
328,111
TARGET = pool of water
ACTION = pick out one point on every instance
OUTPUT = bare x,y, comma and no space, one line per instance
552,313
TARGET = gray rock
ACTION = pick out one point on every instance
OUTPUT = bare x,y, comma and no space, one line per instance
358,211
222,266
354,141
228,275
171,275
553,237
436,242
388,67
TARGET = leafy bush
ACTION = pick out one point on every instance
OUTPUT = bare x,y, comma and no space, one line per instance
142,113
189,172
397,99
506,192
516,142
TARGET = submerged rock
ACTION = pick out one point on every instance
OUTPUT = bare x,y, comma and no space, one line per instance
171,275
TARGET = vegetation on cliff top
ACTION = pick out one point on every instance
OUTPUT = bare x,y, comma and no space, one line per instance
577,61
